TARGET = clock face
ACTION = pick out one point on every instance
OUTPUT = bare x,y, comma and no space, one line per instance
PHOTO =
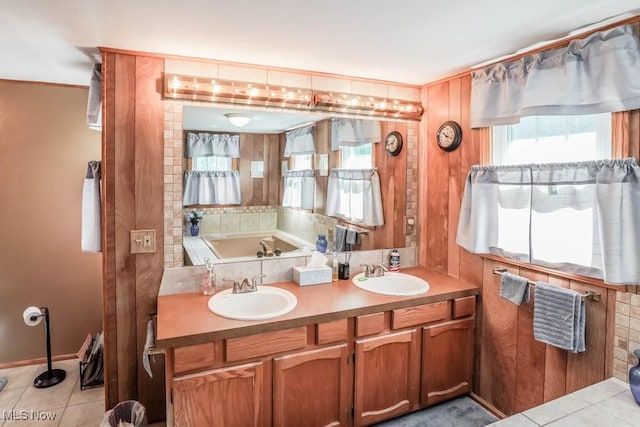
393,143
449,136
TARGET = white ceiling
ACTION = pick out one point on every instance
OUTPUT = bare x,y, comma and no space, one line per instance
409,41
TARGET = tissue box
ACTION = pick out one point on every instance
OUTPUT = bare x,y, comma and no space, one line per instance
312,276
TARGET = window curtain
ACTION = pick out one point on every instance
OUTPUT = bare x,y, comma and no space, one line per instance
299,188
580,218
211,188
354,132
205,144
354,194
299,141
597,74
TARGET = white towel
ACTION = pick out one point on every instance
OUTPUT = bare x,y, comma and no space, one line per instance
148,344
559,317
91,209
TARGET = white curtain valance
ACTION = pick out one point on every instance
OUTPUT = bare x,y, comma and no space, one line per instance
580,217
597,74
299,189
211,188
300,141
354,132
354,194
205,144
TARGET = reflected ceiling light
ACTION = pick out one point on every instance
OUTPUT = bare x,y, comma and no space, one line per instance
238,119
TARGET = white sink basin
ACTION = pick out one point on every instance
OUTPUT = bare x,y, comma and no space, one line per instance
267,302
392,283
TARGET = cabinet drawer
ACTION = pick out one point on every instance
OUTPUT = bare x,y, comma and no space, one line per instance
193,357
264,344
465,306
331,332
369,324
418,315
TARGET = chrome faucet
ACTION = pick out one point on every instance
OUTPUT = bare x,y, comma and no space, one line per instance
245,285
374,270
379,270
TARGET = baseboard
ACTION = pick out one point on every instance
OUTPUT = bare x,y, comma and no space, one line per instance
486,405
38,361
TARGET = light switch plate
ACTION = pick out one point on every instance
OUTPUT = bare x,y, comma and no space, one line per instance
143,241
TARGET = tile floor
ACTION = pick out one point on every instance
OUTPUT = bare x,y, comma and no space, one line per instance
65,403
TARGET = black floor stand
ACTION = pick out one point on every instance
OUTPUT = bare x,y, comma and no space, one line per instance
51,376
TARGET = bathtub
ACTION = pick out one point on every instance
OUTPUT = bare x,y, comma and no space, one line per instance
247,246
232,247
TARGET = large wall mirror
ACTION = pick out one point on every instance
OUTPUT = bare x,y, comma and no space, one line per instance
260,166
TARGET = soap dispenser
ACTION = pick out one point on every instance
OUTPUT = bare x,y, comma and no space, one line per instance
334,267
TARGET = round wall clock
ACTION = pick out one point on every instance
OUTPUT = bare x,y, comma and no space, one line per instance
393,143
449,136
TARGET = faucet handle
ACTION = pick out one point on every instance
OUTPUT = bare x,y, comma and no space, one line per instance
236,285
383,266
367,269
255,279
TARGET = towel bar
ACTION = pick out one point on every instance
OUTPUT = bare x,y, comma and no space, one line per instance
588,296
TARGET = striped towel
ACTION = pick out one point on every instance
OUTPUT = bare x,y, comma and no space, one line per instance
559,317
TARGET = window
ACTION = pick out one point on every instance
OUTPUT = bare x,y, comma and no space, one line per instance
358,157
301,162
553,139
212,163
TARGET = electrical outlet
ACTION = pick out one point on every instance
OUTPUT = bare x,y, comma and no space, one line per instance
143,241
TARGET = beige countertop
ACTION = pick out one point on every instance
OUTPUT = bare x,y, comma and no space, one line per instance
185,319
607,403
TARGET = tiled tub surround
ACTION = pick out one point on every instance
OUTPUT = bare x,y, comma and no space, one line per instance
276,269
627,333
607,403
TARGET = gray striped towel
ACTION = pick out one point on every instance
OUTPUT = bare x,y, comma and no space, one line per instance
353,238
559,317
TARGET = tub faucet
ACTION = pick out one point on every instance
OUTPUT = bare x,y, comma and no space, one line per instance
266,249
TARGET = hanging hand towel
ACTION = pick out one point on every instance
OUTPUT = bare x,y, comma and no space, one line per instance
91,209
352,237
559,317
341,239
514,288
146,363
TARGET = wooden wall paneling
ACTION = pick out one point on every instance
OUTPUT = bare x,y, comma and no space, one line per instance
109,301
634,134
586,368
555,374
246,156
620,134
281,158
400,203
530,354
386,171
438,177
453,251
125,179
271,166
323,146
499,343
423,186
149,214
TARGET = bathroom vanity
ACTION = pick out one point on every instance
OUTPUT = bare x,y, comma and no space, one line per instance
343,356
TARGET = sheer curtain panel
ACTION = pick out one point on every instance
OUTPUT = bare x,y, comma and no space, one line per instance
354,194
596,74
211,188
299,189
581,218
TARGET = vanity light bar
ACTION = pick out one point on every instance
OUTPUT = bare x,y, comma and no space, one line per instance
366,105
235,92
245,93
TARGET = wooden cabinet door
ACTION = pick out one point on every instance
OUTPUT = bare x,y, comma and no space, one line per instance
311,388
447,360
226,397
387,377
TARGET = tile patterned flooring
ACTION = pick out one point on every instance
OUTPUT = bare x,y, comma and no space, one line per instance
65,403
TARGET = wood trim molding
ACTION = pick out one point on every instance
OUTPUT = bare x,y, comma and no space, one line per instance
29,82
38,361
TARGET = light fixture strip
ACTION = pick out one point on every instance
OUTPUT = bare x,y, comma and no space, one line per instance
246,93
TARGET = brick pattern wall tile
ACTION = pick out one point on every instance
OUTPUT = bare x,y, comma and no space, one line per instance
627,333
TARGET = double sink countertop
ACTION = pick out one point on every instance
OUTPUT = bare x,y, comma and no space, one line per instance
185,319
